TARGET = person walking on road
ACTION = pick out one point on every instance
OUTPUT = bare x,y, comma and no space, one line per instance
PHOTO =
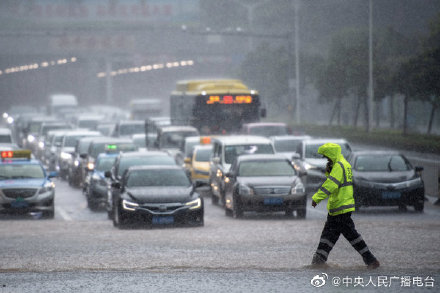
338,188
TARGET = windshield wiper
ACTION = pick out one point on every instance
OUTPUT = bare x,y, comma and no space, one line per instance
389,164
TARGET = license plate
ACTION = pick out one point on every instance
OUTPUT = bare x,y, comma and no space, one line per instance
19,203
163,220
273,201
390,194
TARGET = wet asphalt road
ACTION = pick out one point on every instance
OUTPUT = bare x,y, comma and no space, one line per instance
81,251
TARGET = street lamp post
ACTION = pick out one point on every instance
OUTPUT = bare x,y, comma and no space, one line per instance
370,68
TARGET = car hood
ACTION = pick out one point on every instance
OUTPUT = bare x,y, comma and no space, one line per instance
169,194
22,183
384,177
265,181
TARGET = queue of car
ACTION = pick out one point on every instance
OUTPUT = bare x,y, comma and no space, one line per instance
163,177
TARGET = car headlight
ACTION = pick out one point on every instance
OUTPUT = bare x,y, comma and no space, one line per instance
41,144
309,166
90,166
76,163
194,204
297,189
30,138
96,177
65,156
48,186
129,205
245,190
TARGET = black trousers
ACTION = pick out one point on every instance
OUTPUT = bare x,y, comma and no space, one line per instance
333,228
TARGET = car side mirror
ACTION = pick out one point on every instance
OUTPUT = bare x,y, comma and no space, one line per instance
116,185
230,175
187,160
418,169
198,184
302,173
295,156
53,174
108,174
216,160
83,156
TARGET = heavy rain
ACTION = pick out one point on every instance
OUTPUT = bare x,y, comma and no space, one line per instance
212,145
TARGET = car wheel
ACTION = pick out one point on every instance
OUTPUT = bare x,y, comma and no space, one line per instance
419,206
214,199
301,213
237,211
120,218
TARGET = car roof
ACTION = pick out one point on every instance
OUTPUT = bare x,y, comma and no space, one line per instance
256,124
4,130
177,128
241,139
262,157
325,140
145,154
109,139
155,167
82,132
131,122
291,137
375,152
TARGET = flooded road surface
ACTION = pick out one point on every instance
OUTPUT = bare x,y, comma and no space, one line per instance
81,251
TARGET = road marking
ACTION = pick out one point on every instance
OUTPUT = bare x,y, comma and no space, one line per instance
64,214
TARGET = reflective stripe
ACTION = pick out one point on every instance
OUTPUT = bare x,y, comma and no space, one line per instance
322,252
325,190
343,172
335,180
356,241
362,251
326,241
349,206
347,184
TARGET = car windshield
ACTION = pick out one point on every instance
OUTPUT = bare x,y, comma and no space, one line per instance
270,130
70,140
105,163
127,162
286,146
266,168
89,124
312,150
233,151
140,141
381,163
130,129
20,171
158,177
203,155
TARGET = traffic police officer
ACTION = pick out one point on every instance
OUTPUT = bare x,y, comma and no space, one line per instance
338,187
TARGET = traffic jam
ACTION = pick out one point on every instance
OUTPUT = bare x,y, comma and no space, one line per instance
162,171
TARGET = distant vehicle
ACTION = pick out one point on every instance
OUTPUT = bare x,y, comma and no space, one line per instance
24,185
140,141
60,104
288,144
98,186
313,163
7,140
66,149
225,150
266,129
141,109
215,106
158,195
126,128
386,178
151,126
172,138
198,165
89,122
264,183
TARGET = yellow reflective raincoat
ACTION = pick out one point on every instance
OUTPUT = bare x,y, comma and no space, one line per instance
338,186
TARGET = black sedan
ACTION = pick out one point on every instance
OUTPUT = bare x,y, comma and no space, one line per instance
160,195
264,183
386,178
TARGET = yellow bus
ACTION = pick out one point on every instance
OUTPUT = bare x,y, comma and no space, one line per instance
214,106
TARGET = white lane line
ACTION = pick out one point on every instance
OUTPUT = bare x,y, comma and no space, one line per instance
64,214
